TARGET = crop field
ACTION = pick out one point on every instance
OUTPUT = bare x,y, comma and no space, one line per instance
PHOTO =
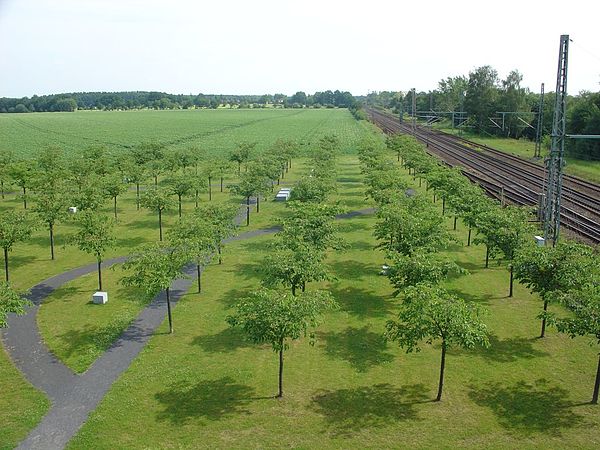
206,386
213,131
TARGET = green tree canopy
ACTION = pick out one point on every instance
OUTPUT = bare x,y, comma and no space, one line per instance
430,313
276,317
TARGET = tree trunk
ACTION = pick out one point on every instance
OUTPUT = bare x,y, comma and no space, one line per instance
160,224
510,289
420,181
24,198
51,228
196,197
169,311
443,205
596,385
543,333
155,180
434,197
455,218
2,188
239,168
442,367
280,394
487,256
179,201
209,189
100,275
221,184
247,211
219,252
258,203
137,195
199,278
294,290
115,207
303,286
6,263
469,238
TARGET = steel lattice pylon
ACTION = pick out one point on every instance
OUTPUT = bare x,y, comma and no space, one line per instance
556,160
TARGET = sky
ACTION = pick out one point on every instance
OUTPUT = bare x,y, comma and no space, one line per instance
284,46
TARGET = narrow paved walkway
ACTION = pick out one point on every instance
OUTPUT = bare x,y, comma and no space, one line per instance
74,396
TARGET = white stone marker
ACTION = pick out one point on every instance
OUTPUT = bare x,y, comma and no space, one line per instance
100,298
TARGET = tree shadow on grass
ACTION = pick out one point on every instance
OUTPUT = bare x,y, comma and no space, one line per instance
209,400
227,340
361,303
480,299
348,411
362,246
19,260
88,343
506,350
130,242
361,347
353,270
528,408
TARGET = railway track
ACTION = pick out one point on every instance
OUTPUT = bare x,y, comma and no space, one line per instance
508,177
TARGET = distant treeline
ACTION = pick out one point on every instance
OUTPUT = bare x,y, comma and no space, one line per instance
161,100
490,106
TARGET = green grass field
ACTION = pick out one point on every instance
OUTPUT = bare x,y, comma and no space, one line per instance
214,131
206,387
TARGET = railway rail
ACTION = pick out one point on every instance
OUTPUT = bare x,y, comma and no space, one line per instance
506,176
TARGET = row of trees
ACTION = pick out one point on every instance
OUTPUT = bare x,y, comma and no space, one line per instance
482,95
160,100
282,309
411,232
567,274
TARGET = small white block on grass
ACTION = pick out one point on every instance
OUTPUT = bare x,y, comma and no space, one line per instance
100,298
540,241
72,209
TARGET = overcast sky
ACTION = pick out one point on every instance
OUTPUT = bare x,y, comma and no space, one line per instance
279,46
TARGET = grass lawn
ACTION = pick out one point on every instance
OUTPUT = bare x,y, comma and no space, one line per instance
74,329
205,386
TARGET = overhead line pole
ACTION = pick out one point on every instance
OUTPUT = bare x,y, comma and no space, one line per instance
557,149
414,111
538,132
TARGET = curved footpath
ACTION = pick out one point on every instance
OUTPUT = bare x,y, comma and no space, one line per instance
74,396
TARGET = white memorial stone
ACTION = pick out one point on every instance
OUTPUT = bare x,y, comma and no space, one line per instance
100,298
540,241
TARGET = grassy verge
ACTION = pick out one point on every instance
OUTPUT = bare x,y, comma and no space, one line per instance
206,387
588,170
21,405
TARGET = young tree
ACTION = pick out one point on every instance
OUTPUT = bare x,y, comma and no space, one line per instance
135,174
584,305
250,185
194,236
95,237
406,271
22,173
157,199
293,268
550,270
154,269
275,317
179,185
241,154
6,159
429,313
222,220
14,227
11,301
51,207
223,167
113,186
